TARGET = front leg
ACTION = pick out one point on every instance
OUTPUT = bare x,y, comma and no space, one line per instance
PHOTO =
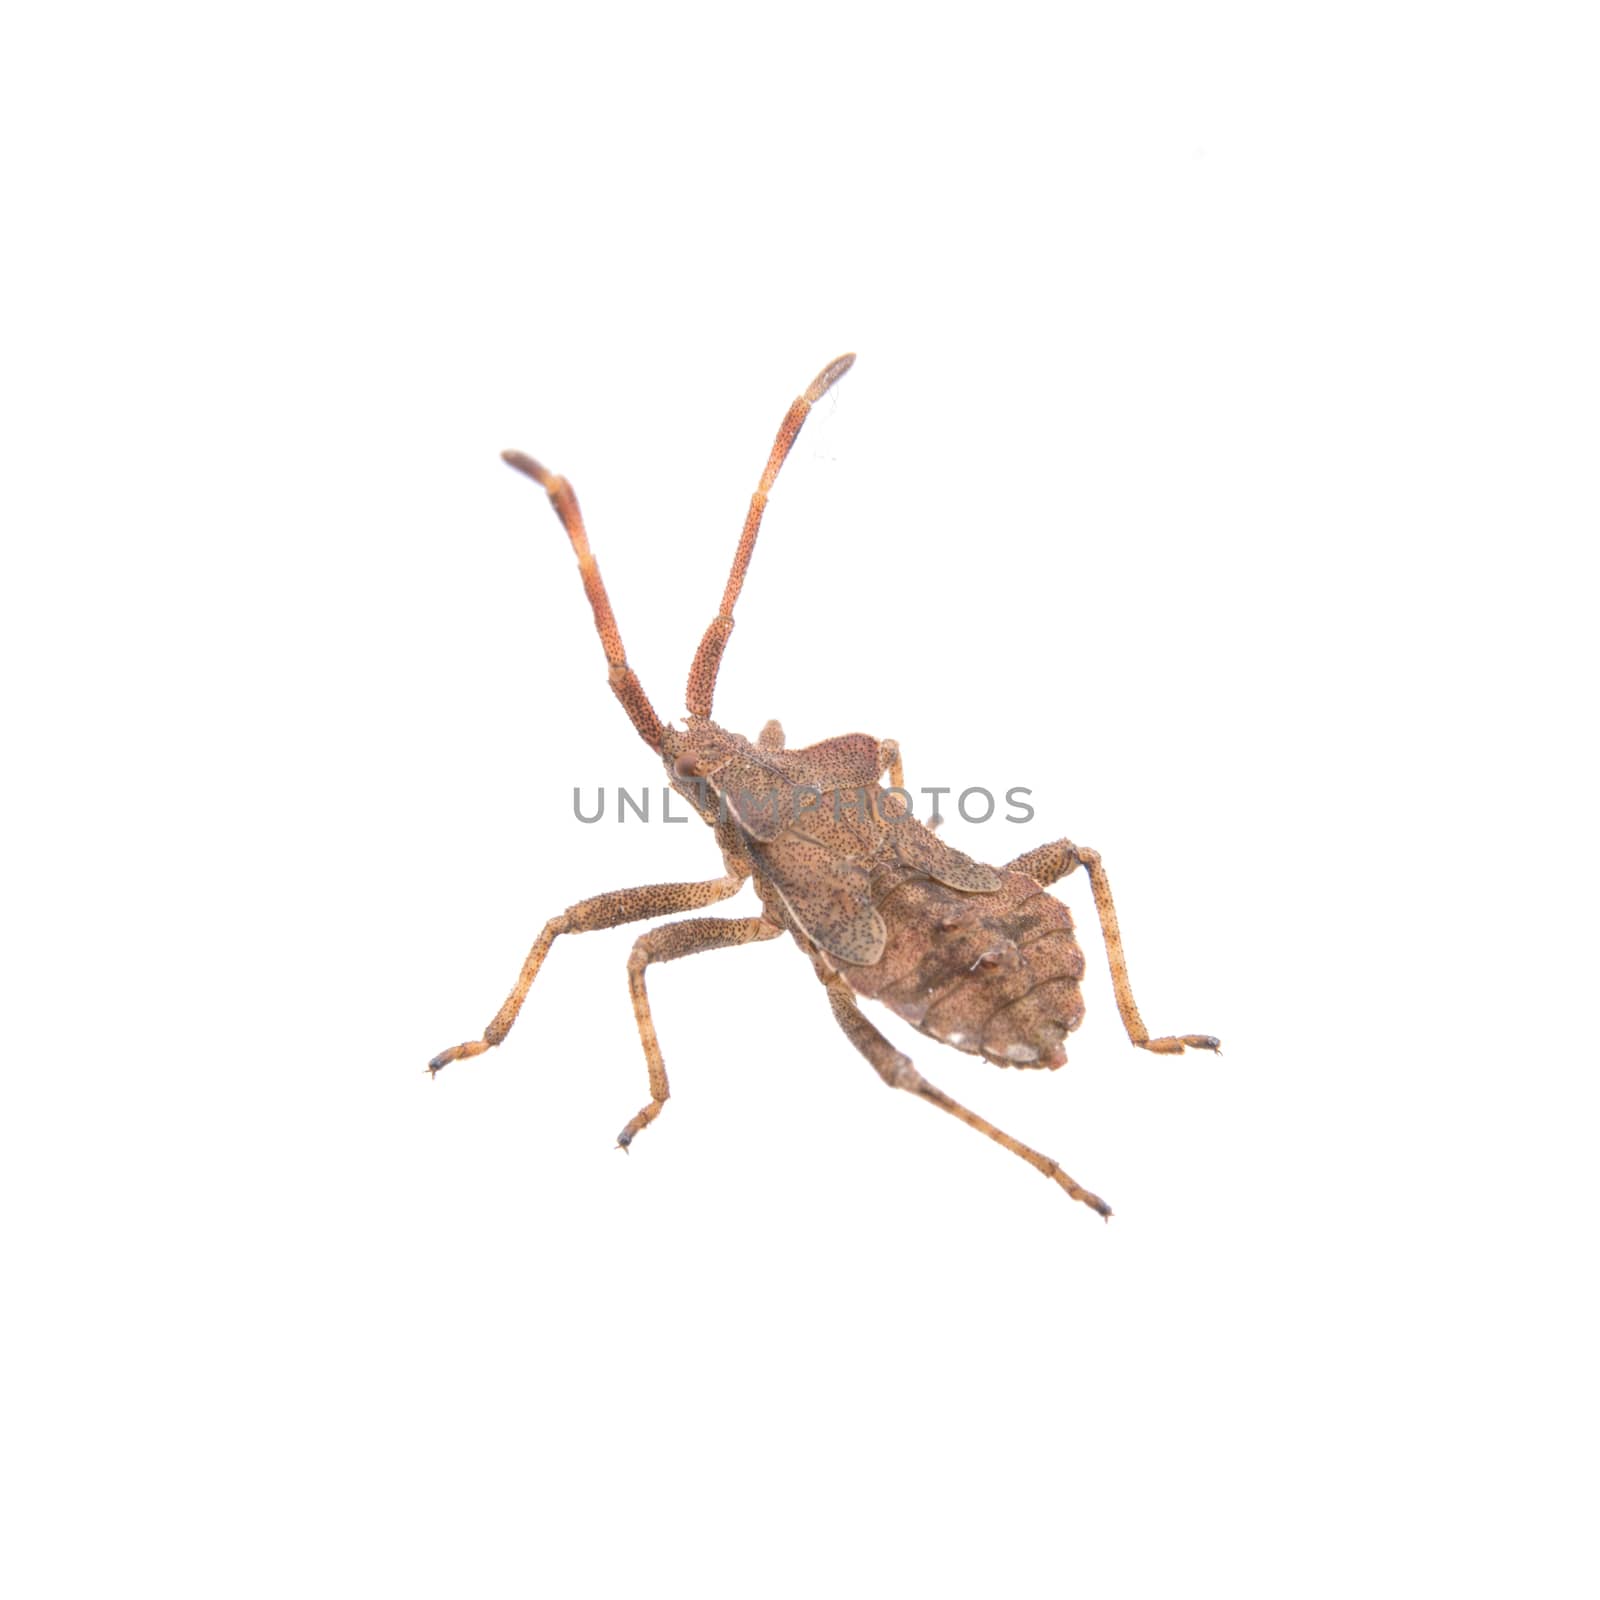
588,916
1053,861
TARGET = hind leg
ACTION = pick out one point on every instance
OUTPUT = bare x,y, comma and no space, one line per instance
897,1071
1053,861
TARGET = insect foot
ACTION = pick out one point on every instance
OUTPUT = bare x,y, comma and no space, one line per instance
458,1052
642,1120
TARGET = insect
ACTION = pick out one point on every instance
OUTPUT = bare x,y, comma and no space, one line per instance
981,958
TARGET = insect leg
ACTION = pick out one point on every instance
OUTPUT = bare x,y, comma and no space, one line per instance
1052,861
893,763
889,761
897,1071
588,916
668,943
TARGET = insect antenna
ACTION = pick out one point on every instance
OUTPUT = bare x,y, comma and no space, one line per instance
625,684
708,658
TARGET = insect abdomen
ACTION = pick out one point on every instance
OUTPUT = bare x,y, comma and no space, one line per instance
994,974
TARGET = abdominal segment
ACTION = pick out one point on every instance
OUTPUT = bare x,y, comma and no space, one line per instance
993,974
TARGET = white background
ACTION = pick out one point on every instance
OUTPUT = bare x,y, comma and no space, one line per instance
1219,463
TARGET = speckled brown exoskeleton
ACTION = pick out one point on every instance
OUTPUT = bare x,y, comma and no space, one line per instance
982,958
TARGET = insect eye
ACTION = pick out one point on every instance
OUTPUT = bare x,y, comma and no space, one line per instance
688,766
